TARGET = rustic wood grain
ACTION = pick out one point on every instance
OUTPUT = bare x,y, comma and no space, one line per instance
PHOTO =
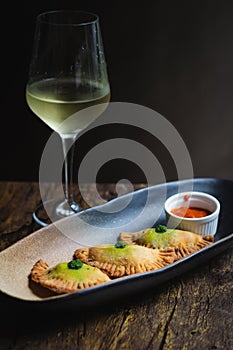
192,312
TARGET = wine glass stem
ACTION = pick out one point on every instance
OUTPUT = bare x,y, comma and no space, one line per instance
68,151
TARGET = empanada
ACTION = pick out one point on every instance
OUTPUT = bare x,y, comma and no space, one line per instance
117,260
184,242
62,279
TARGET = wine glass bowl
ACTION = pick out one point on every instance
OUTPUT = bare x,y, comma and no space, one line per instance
67,75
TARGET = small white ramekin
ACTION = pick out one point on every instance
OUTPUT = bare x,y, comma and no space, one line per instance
205,226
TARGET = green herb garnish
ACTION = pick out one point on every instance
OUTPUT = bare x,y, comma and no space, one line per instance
120,244
161,229
75,264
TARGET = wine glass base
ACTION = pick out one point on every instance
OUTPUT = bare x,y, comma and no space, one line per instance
52,210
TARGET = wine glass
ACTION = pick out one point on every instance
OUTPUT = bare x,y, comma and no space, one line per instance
67,74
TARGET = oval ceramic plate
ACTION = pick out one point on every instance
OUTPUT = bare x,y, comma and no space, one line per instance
103,224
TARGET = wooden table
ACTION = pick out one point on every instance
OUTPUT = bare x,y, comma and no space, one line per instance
193,311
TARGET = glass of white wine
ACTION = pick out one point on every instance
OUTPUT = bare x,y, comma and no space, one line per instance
67,74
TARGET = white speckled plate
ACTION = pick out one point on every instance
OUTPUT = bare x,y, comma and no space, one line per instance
57,242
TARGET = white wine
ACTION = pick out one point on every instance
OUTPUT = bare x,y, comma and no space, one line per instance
59,102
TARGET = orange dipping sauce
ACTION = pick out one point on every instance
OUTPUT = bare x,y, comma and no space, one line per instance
190,212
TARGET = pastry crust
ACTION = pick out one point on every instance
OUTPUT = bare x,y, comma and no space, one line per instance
61,279
131,259
184,242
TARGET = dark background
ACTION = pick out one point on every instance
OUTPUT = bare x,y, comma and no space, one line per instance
175,57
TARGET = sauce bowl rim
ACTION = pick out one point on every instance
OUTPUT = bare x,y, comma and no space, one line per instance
203,195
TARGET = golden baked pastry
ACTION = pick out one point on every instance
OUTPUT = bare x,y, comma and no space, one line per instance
67,277
123,259
184,242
